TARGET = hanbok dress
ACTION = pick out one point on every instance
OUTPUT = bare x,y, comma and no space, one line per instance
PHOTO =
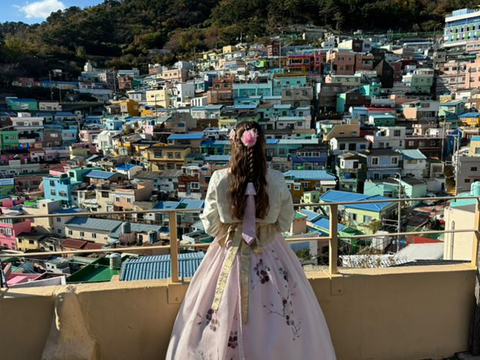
249,298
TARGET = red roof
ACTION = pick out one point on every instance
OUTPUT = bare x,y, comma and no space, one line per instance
424,240
93,246
74,243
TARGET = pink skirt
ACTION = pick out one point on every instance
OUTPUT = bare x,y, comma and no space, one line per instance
284,319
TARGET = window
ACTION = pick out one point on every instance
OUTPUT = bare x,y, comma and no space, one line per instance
297,187
82,233
170,155
70,232
52,183
342,147
353,217
362,147
53,192
376,176
367,219
289,187
129,200
2,230
467,180
374,160
305,185
117,199
195,185
352,147
411,143
31,242
59,219
473,169
157,153
394,160
178,155
94,235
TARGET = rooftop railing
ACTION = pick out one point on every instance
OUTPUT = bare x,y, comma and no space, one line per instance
333,237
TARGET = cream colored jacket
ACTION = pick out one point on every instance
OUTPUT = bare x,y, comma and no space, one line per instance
218,202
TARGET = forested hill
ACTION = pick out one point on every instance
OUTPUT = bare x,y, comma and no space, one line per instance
123,30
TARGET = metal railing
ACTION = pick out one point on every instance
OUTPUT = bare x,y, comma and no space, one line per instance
332,238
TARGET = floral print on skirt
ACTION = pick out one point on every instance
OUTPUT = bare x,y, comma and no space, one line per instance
284,318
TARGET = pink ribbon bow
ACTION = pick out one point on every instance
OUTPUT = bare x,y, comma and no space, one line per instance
249,217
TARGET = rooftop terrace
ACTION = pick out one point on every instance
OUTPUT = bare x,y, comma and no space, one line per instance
402,312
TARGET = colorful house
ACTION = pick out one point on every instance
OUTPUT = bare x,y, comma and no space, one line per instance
301,181
470,119
359,215
11,228
59,188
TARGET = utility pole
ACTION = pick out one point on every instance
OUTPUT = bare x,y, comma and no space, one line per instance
399,211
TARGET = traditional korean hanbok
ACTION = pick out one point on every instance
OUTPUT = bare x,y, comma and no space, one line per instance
250,298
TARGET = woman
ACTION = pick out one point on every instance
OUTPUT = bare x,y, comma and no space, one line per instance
250,298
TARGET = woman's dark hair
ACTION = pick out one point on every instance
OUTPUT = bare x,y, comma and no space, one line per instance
248,164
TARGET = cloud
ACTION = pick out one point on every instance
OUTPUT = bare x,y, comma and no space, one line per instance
41,9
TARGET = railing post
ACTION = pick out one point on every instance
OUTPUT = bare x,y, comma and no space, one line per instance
333,244
172,224
476,234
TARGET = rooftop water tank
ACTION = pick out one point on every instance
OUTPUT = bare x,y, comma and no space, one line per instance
115,261
126,228
475,188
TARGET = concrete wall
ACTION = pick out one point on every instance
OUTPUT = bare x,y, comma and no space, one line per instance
396,313
459,246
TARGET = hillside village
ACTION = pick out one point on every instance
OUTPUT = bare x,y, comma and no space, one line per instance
347,118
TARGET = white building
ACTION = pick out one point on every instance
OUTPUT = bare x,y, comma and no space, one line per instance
414,163
388,137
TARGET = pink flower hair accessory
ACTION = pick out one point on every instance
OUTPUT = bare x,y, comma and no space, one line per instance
249,137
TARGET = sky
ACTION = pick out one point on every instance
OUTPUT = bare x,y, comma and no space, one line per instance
36,11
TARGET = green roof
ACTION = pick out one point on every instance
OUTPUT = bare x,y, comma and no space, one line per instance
97,271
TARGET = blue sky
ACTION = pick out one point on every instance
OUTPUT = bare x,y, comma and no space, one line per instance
35,11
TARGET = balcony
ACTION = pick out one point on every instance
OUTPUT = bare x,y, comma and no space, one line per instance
411,312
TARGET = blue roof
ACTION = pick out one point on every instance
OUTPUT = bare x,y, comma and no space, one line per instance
99,174
452,103
192,204
217,158
6,182
469,114
159,267
309,175
248,107
65,113
345,196
164,205
126,166
104,225
324,223
272,141
22,100
214,142
188,136
311,215
69,210
412,154
476,138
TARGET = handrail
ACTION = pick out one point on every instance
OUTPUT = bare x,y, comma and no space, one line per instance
175,244
165,211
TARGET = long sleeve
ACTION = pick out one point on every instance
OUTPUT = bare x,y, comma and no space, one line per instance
287,212
210,216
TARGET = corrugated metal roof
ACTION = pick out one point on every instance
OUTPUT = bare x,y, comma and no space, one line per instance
469,114
309,175
159,267
99,174
345,196
94,224
188,136
413,154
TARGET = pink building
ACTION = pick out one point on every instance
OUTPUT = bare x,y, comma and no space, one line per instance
10,229
343,63
472,74
364,62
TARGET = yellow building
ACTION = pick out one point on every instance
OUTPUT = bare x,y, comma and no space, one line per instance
128,106
229,49
470,119
162,157
159,98
227,123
